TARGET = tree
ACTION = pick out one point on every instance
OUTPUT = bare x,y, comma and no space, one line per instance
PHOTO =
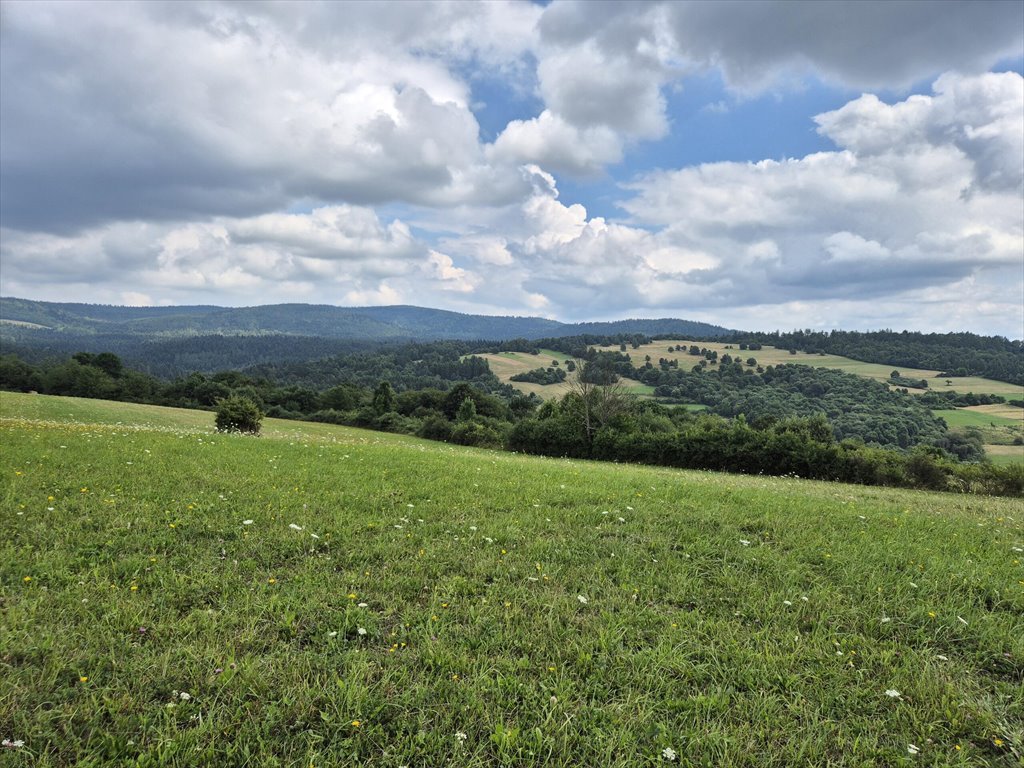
596,401
238,414
467,411
383,399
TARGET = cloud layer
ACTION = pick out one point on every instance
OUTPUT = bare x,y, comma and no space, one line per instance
245,153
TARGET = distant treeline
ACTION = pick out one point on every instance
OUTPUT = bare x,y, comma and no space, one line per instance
596,420
952,354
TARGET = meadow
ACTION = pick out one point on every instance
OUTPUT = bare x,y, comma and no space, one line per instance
326,596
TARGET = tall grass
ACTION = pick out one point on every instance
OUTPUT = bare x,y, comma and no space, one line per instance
325,596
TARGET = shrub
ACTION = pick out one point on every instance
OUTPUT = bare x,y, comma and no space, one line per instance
238,414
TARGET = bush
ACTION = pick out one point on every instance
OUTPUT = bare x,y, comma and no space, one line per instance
238,414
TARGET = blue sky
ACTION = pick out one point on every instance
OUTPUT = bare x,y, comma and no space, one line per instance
762,165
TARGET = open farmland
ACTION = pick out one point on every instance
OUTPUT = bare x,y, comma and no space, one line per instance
768,355
328,596
505,365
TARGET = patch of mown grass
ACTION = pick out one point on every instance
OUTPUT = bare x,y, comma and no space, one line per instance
398,602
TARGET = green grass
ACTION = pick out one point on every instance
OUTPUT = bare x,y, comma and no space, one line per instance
769,355
740,621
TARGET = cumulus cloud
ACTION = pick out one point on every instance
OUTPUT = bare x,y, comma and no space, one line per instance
101,123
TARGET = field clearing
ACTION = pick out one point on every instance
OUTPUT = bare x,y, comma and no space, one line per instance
772,356
505,365
1005,454
329,596
1003,410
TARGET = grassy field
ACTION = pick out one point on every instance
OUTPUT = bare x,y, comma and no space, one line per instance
323,596
998,431
772,356
505,365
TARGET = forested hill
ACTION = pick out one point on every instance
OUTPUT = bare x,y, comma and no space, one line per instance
952,354
27,322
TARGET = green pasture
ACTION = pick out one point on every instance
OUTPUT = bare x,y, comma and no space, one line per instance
324,596
772,356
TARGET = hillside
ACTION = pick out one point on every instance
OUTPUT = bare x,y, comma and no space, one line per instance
330,322
329,596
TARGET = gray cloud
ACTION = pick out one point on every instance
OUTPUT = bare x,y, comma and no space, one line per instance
865,44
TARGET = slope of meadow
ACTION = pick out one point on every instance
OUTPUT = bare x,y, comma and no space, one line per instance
327,596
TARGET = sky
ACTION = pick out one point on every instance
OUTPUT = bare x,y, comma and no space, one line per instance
761,165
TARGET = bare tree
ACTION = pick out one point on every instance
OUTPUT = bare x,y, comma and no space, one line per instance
597,404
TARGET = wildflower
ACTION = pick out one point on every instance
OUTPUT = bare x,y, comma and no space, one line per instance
332,634
356,723
669,754
247,522
27,579
932,614
998,742
295,527
787,602
271,580
885,619
913,749
13,743
364,605
460,736
940,657
184,696
83,679
351,595
893,693
582,599
360,631
744,542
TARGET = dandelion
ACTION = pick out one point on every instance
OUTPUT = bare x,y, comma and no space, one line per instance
356,723
998,742
932,614
352,595
271,580
669,754
27,579
83,679
913,749
582,599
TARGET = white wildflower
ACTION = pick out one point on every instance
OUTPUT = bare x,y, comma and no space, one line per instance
332,634
940,657
913,749
582,599
893,693
622,519
364,605
247,522
669,754
461,736
744,542
295,527
184,696
360,631
885,619
13,743
787,602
